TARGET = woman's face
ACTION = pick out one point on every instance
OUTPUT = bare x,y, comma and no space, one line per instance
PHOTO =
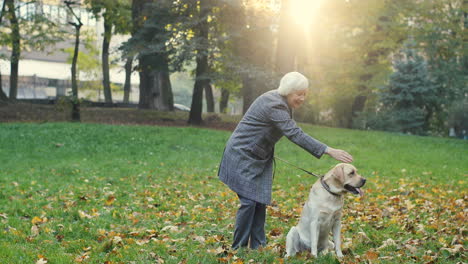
297,98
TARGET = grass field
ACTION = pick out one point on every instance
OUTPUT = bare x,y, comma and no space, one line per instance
89,193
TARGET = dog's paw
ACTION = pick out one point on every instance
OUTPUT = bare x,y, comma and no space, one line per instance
339,255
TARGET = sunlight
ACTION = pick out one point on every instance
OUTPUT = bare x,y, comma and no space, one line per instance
302,11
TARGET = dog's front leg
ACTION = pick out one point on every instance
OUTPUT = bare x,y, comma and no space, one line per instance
314,236
337,237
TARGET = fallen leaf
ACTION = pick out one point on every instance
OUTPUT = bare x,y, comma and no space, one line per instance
110,200
170,228
34,231
371,255
412,249
216,251
200,239
84,215
386,243
41,261
117,240
36,220
455,249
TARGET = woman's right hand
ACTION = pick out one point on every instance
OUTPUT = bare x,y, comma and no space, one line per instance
339,155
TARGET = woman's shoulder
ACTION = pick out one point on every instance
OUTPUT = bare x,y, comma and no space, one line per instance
273,96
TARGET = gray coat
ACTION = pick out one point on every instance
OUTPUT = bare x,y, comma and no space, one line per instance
247,163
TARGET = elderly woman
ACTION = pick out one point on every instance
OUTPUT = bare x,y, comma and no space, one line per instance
247,162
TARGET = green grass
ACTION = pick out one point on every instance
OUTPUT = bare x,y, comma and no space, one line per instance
94,193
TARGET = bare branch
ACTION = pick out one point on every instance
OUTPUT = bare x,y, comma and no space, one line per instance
69,6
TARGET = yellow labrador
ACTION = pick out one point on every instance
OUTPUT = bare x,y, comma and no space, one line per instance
322,212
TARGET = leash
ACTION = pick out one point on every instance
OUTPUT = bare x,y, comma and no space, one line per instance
310,173
304,170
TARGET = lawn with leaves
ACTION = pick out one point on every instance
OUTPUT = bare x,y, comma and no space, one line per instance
89,193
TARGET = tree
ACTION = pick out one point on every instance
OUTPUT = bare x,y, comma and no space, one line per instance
77,24
128,77
116,19
16,49
3,96
88,63
439,26
201,71
151,25
410,98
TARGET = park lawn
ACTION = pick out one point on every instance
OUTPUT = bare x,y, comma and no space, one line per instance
91,193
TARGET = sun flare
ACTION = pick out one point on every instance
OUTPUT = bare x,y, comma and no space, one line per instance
302,11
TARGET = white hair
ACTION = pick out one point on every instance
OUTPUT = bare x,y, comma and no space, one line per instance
291,82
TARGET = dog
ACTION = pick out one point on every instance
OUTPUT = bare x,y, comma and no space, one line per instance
322,212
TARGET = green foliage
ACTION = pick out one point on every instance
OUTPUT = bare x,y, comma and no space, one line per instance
440,27
89,64
117,13
411,97
156,36
94,193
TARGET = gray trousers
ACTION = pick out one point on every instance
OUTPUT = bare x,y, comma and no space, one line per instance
250,224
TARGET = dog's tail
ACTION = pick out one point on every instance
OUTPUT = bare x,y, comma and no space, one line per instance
293,241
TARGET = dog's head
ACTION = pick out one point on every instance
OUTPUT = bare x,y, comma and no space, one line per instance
346,178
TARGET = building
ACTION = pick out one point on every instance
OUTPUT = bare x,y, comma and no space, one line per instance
47,73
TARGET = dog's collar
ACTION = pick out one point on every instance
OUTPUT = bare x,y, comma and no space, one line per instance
325,185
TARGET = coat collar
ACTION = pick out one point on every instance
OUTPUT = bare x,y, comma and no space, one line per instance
285,101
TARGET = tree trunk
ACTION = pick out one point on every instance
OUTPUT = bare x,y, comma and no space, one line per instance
16,49
146,81
209,98
155,84
163,99
3,96
105,61
195,117
75,101
223,103
128,80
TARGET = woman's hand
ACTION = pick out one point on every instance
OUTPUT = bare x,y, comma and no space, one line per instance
339,155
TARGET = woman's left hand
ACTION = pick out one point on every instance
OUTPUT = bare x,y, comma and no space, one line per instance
339,155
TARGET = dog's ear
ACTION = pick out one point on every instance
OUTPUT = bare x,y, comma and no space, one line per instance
339,175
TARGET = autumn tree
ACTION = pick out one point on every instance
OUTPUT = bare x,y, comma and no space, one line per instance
151,34
116,19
